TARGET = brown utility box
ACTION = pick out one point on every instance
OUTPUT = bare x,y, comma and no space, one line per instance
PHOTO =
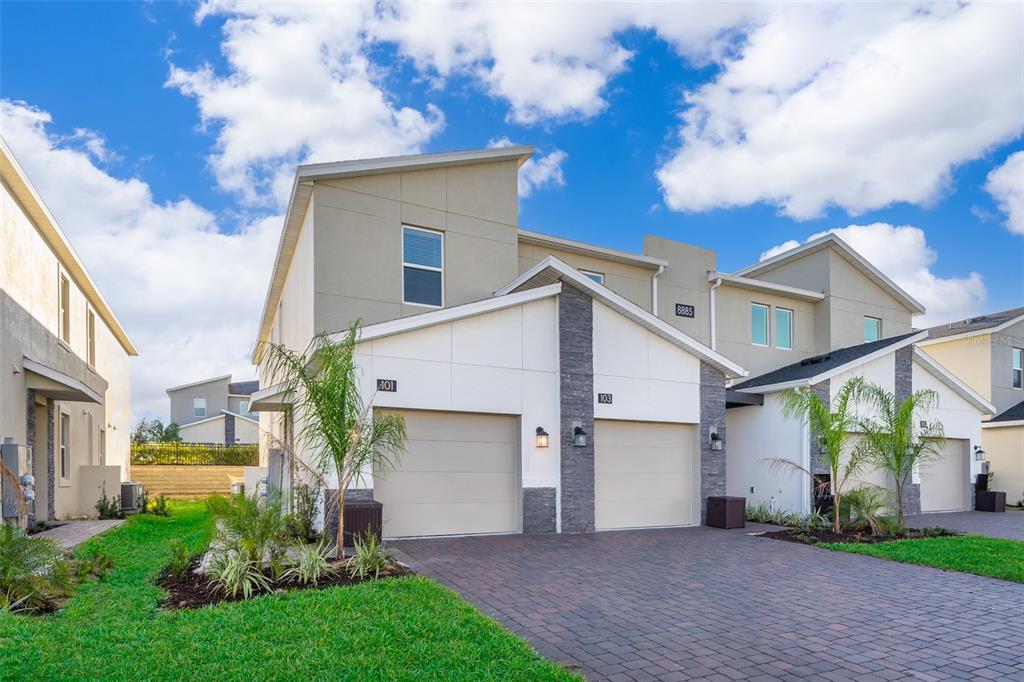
727,512
362,517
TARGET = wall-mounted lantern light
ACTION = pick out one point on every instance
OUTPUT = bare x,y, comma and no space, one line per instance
542,437
979,454
717,444
579,437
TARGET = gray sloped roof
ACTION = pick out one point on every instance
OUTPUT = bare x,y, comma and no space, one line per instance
1012,414
974,324
811,367
243,387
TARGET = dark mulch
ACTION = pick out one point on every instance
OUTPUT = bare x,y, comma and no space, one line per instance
814,537
193,590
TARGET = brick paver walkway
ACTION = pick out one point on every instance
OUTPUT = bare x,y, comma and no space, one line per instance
74,533
1009,524
708,604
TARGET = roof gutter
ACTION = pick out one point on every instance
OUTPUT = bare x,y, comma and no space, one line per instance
711,312
654,291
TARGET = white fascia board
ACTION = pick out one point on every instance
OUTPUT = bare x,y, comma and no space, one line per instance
996,425
182,427
760,285
541,239
953,382
859,261
240,416
444,315
199,383
630,310
333,170
61,378
775,388
977,332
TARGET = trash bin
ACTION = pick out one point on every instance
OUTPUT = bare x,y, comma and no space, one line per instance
727,512
362,517
989,501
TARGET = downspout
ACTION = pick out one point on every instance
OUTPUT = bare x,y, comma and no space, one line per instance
654,290
718,283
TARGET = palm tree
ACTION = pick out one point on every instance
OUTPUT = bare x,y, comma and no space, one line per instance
335,426
890,439
832,427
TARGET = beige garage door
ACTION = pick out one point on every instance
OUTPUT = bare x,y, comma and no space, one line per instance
458,476
643,474
943,481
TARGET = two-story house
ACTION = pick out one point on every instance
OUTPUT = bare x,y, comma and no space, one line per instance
215,411
65,357
987,352
550,384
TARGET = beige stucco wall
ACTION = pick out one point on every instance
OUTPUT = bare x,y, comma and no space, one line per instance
29,281
215,393
208,431
852,296
970,359
1004,449
1004,395
684,281
631,281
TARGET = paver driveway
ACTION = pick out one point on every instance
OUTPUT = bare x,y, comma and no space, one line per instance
1008,524
702,603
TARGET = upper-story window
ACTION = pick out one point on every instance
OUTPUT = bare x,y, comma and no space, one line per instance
1018,367
243,408
64,323
872,329
596,276
90,337
758,324
198,407
422,266
783,328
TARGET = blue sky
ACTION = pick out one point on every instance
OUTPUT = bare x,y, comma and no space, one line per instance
703,128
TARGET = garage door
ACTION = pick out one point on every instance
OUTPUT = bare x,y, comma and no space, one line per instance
643,474
458,476
944,481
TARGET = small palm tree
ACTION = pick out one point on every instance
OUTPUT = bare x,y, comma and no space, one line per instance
891,443
334,424
832,426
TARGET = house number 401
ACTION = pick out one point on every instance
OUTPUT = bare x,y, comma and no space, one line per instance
387,385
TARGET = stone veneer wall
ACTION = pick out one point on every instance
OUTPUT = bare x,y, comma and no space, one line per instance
904,388
229,429
576,382
818,464
30,442
51,459
539,510
712,413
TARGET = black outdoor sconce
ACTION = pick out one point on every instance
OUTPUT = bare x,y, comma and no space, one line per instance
579,437
542,437
717,444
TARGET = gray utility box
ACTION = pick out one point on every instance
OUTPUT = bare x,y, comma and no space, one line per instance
18,459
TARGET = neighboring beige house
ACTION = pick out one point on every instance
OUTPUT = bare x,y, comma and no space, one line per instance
481,333
65,358
987,353
215,411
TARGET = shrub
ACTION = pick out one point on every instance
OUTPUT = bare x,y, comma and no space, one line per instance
159,506
864,506
300,522
233,573
815,521
33,571
937,532
311,563
107,507
144,501
758,513
181,558
370,557
93,563
251,526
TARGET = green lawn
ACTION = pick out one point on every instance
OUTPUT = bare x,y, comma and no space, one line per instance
993,557
407,628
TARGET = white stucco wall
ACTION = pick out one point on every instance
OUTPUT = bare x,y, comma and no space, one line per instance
756,434
959,418
649,378
210,431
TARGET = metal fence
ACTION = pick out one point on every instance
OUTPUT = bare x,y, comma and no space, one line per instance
195,453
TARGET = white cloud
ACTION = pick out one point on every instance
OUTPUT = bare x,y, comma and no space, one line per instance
903,254
540,170
852,105
300,89
188,295
1006,185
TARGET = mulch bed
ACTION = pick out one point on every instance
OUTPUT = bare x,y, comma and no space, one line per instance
193,590
814,537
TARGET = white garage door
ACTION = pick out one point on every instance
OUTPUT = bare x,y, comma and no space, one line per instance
944,481
457,476
643,474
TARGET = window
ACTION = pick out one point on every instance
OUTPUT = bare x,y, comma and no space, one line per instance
596,276
243,408
758,324
1018,368
872,329
90,337
65,453
783,328
64,324
198,407
422,267
103,446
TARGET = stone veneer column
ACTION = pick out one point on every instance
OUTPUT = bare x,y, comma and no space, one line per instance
539,510
712,413
30,441
576,395
904,388
818,463
51,458
229,429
